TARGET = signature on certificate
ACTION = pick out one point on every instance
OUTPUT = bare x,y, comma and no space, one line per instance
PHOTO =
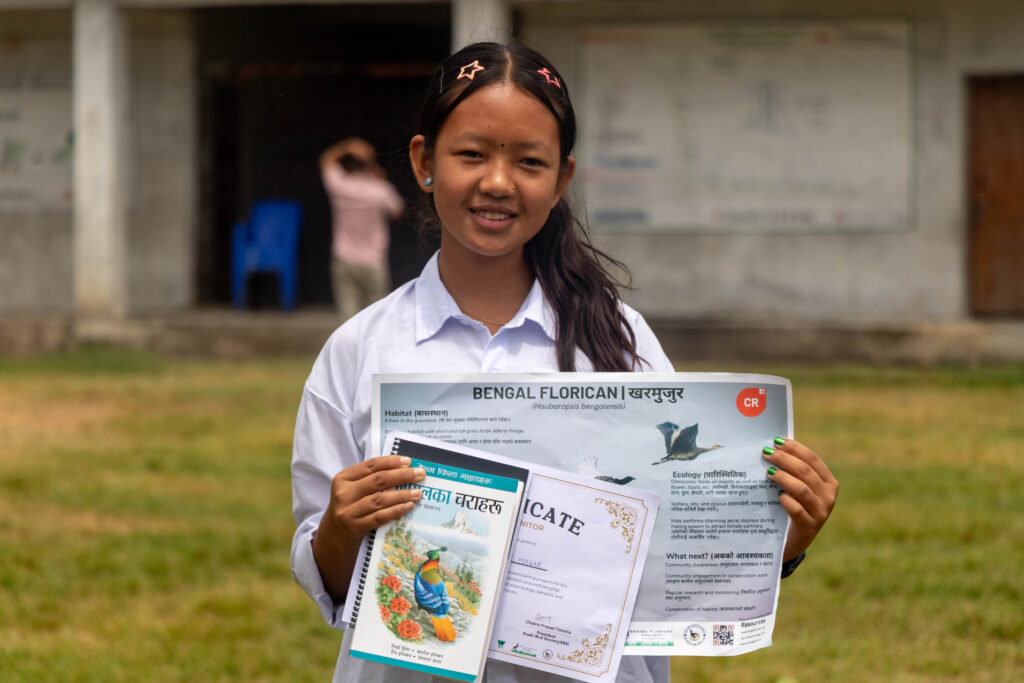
527,562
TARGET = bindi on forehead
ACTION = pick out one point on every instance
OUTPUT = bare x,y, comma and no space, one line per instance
500,139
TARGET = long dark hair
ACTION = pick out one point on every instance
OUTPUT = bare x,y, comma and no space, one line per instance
573,273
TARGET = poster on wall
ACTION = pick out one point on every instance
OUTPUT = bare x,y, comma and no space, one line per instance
36,144
747,126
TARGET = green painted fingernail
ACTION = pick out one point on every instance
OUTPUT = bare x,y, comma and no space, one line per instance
771,471
767,450
779,441
781,492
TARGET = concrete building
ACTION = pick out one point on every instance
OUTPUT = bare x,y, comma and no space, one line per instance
760,165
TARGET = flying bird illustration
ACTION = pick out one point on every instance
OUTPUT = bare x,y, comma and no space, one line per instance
681,444
432,596
588,467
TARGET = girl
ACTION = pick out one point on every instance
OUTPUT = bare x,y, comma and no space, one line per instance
515,287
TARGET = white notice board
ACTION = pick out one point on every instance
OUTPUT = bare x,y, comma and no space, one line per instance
749,126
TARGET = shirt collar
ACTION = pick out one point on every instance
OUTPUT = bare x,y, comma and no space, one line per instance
435,306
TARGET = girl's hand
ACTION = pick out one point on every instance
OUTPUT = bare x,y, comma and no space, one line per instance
808,491
361,500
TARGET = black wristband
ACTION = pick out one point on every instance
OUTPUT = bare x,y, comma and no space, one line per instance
789,566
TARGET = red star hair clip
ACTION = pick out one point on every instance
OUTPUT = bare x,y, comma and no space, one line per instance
549,78
470,70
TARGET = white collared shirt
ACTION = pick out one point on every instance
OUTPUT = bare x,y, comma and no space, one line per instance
417,328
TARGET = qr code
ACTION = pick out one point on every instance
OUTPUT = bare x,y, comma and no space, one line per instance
722,634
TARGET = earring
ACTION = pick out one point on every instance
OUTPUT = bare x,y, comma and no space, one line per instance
428,182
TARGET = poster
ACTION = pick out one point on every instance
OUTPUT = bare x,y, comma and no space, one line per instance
710,584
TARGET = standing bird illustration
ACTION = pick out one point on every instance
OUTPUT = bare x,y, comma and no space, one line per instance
432,596
681,444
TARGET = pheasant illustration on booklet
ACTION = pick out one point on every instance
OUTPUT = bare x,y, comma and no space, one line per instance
427,584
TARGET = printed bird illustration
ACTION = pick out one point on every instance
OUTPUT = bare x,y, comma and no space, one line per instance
432,596
588,468
681,444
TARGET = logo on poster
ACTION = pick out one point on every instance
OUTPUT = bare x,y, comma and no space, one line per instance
694,634
752,401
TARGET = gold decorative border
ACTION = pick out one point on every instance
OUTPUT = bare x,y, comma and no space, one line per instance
624,518
590,654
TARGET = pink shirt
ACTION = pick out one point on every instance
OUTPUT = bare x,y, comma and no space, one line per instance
361,205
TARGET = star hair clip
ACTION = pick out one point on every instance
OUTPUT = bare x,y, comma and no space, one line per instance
469,71
551,80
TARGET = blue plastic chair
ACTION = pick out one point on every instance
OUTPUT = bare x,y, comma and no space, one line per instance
267,242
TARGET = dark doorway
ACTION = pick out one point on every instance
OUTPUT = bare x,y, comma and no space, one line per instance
996,182
278,85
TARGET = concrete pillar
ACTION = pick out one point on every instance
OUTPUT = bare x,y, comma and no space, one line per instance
101,129
476,20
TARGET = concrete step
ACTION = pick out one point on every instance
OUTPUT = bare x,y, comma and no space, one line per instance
228,333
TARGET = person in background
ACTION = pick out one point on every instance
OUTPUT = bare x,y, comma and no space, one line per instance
362,202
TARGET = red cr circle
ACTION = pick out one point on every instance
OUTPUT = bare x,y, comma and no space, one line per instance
751,402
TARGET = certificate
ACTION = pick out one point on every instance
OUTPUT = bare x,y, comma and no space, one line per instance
710,583
553,616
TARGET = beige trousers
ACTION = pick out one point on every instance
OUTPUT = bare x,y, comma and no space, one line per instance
356,287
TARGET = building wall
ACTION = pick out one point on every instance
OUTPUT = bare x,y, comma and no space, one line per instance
164,204
36,259
917,274
35,233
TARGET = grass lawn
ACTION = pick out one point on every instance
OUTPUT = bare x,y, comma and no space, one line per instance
145,522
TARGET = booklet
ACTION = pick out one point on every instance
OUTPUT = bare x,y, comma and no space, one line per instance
426,586
710,584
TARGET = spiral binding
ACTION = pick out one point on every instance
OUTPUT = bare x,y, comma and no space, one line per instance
364,571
